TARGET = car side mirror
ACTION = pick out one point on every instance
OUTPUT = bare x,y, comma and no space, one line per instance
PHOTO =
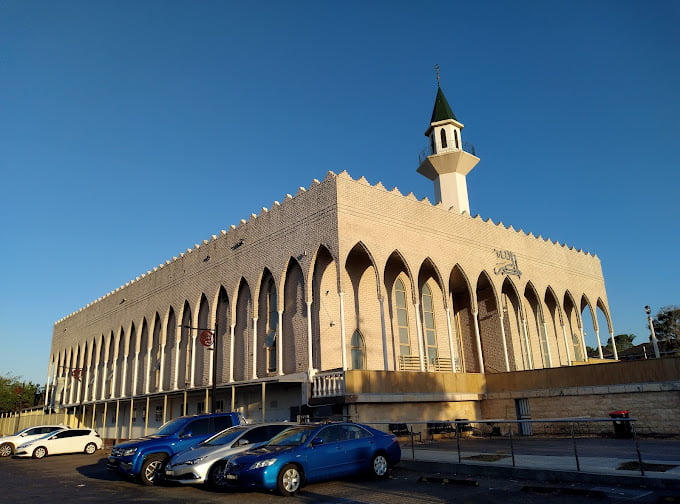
243,442
23,434
186,435
317,441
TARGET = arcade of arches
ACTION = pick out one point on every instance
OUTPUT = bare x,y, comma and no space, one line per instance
337,314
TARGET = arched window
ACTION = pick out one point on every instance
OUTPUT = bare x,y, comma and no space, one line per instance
401,309
442,135
429,328
456,138
272,324
358,351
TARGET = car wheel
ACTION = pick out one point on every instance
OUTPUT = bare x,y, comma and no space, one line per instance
5,450
39,452
379,465
152,469
216,476
289,480
90,448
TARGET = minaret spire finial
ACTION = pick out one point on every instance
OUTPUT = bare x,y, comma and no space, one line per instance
436,70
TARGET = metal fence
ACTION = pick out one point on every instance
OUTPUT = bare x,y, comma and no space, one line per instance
510,433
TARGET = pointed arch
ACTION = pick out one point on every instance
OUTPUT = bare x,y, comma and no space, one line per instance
171,351
432,304
364,303
573,327
223,335
605,313
591,331
294,320
153,377
108,378
536,328
185,348
327,320
120,363
93,370
143,359
130,353
267,323
604,321
489,320
399,288
76,377
519,351
242,365
554,321
203,356
462,302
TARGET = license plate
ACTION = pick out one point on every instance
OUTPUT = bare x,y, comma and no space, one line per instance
232,476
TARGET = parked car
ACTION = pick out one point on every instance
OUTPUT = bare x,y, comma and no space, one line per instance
8,444
62,441
145,458
197,464
308,453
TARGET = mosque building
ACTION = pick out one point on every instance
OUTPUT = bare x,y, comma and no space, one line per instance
345,300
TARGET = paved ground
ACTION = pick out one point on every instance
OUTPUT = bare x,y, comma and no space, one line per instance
84,479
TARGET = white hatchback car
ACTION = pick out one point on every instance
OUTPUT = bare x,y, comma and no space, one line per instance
200,464
63,441
8,444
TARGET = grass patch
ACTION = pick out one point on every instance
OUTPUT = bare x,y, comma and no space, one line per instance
486,457
635,466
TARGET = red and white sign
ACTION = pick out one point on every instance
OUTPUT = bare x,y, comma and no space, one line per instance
206,338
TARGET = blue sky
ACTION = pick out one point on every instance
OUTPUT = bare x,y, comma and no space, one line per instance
131,130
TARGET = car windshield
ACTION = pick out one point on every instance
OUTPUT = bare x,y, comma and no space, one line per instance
171,427
224,437
295,436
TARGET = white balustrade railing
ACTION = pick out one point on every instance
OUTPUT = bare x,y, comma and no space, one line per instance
328,384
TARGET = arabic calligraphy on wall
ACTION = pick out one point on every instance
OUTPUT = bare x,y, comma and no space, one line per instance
506,263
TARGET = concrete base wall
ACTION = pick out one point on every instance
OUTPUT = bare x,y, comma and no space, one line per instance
413,412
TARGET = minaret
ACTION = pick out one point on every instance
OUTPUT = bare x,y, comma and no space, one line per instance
448,163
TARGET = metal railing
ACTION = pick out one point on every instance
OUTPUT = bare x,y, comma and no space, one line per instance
510,430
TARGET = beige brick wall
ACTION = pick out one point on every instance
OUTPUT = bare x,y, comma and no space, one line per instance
337,238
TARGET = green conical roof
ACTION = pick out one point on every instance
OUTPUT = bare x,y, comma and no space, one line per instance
442,110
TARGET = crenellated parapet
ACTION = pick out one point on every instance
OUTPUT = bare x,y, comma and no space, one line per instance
331,177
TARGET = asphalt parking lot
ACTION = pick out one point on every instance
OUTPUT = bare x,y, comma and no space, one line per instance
84,479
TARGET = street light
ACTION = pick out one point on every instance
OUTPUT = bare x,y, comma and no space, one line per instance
655,343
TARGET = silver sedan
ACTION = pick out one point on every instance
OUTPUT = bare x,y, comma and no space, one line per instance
197,464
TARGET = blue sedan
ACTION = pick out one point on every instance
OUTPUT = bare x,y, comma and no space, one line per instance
315,452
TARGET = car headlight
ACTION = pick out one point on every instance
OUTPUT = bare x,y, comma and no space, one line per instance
263,463
194,461
128,451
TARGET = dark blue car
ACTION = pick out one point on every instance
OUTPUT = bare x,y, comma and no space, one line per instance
146,457
314,452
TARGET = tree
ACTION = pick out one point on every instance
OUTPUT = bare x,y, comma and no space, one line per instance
623,342
667,327
16,393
